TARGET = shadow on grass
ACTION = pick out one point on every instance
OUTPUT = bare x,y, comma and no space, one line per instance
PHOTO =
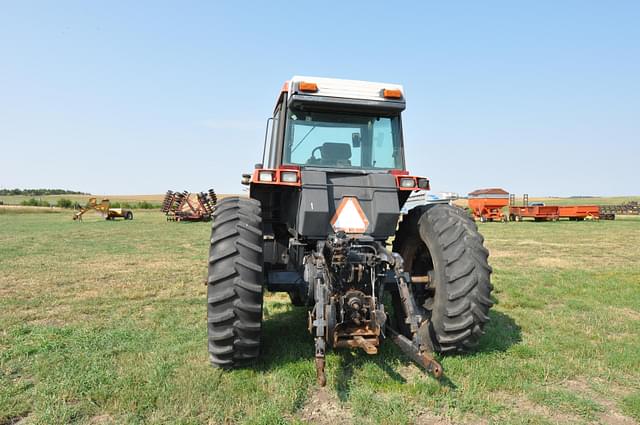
286,340
501,333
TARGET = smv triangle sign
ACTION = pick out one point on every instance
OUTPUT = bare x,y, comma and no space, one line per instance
349,217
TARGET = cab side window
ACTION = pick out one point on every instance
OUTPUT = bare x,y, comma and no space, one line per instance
271,142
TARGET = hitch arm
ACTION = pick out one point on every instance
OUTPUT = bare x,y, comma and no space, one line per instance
321,295
422,358
416,348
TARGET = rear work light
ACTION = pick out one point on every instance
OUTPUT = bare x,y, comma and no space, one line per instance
423,183
307,87
392,94
286,175
289,176
266,176
407,182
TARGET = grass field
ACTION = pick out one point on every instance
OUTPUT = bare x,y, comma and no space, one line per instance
104,322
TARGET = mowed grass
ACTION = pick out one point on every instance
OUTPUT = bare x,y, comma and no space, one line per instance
105,322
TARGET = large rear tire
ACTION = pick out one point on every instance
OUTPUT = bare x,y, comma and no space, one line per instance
234,289
444,244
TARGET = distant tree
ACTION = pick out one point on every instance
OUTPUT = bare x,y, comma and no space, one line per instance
39,192
33,202
64,203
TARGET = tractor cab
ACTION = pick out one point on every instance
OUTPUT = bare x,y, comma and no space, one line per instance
334,143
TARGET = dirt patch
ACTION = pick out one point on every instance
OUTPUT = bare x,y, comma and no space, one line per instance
611,415
428,418
619,336
324,408
102,420
552,262
521,403
14,420
409,371
626,312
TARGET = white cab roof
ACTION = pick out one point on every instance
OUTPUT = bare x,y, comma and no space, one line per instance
350,89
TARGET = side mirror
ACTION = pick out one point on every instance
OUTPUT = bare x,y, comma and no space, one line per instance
355,140
246,179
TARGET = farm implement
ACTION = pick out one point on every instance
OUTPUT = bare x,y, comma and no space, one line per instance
487,204
184,206
579,212
626,208
322,205
541,212
103,208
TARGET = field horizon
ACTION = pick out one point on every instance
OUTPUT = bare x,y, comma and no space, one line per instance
157,198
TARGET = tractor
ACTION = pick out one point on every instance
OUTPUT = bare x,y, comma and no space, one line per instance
323,223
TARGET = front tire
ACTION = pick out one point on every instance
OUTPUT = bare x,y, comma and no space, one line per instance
439,242
234,284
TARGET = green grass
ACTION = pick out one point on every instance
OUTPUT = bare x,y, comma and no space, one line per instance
631,405
104,322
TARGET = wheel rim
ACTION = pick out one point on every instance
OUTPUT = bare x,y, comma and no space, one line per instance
418,262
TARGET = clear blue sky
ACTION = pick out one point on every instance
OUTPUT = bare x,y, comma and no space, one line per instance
139,97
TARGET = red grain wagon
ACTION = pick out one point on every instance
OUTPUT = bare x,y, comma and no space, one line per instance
487,204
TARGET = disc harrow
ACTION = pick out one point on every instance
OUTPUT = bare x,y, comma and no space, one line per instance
185,206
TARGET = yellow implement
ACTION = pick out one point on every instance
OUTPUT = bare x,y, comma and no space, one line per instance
103,209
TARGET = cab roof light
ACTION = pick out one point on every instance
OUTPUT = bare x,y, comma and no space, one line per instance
307,87
392,94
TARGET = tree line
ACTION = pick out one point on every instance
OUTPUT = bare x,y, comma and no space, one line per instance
67,203
39,192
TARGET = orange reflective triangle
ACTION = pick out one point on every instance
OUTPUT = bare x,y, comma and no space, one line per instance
349,217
